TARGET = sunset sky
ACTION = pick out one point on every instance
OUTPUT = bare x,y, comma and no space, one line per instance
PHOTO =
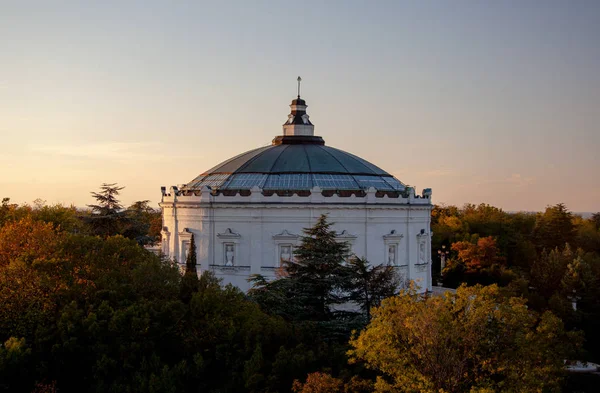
483,101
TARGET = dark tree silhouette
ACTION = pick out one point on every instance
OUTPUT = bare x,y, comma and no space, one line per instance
107,215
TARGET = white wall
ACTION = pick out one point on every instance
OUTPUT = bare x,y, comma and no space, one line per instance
253,229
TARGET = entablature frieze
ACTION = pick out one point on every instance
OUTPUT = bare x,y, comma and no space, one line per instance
307,205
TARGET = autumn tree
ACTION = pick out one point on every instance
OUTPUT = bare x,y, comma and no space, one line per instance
477,261
473,341
28,240
319,383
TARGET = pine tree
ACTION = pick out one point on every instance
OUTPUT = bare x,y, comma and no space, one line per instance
368,285
318,272
107,216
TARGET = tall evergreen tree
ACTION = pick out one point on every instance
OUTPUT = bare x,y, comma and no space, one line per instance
191,259
554,228
368,285
318,271
107,215
314,287
190,282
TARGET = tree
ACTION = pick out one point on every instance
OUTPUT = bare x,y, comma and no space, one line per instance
312,284
318,270
477,262
595,218
472,341
479,256
191,259
319,383
107,216
143,223
554,228
28,240
189,284
368,285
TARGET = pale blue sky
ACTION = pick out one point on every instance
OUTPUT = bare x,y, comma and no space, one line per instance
484,101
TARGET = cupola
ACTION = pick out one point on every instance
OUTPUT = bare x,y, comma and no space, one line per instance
298,123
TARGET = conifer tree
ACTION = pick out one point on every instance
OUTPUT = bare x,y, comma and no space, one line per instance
107,216
318,272
368,285
190,282
190,261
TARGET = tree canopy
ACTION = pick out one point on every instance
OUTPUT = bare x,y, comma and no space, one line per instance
473,341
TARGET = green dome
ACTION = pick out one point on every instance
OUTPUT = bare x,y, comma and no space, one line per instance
296,166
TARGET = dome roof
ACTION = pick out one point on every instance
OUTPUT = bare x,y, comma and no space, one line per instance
289,166
296,161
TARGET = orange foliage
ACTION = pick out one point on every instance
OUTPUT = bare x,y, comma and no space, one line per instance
28,240
318,383
478,256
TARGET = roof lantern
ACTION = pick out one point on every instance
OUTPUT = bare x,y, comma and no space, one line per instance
298,122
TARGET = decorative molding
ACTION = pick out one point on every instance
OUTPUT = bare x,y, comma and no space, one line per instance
421,267
228,234
285,235
222,268
292,205
391,242
185,234
393,235
422,234
344,235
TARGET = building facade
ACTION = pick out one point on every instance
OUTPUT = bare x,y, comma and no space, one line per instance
247,213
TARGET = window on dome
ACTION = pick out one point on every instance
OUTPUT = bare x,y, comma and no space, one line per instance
395,183
211,181
376,182
289,182
336,182
245,180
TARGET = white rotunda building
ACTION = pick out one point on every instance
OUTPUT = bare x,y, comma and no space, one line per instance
247,213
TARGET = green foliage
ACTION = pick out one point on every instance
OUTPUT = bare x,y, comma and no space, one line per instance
554,228
532,256
94,314
107,215
368,285
319,288
87,313
472,340
318,272
143,223
312,286
15,363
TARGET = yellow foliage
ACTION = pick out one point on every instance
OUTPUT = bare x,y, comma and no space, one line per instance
471,341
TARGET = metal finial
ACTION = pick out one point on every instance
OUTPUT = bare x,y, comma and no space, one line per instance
299,80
